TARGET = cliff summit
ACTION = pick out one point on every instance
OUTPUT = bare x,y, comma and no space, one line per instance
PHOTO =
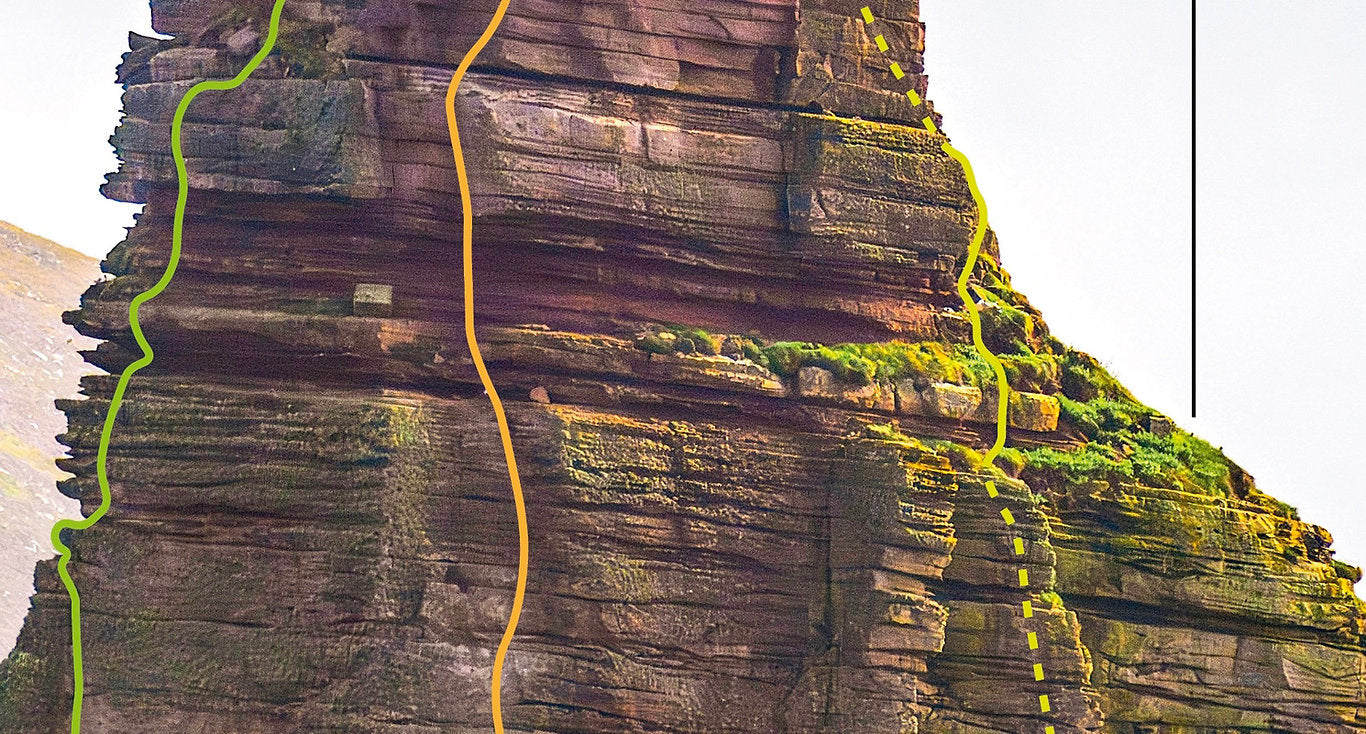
716,254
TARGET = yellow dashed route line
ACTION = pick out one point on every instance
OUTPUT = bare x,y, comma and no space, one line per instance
467,222
1003,388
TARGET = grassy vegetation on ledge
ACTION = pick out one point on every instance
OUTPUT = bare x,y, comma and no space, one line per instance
1126,441
1122,448
924,362
961,457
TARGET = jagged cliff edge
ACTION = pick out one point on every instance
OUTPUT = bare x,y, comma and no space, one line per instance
716,260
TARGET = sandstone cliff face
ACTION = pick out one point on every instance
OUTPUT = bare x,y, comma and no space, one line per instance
715,258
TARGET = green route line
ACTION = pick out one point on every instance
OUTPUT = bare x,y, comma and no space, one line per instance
102,458
1002,386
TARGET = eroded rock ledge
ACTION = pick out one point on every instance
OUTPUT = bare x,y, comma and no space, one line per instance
715,284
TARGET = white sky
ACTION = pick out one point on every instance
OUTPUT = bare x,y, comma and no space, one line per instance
58,106
1075,114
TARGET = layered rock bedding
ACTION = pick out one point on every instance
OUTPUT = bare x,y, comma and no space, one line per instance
715,255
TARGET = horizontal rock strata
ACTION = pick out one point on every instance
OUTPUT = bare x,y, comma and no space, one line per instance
715,258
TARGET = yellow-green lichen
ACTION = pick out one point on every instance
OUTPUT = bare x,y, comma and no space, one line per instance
26,684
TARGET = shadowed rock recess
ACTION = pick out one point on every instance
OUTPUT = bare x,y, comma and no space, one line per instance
715,255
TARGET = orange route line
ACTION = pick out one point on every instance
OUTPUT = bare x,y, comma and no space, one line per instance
467,224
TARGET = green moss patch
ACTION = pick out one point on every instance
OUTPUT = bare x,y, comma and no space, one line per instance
925,362
1126,440
679,339
27,688
301,44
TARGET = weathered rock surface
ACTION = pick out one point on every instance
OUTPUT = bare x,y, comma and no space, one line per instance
778,524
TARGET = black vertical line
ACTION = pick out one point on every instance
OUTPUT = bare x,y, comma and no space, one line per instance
1194,215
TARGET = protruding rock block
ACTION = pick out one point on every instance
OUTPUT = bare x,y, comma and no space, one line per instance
817,383
838,68
373,299
1033,412
879,183
274,136
1027,411
939,400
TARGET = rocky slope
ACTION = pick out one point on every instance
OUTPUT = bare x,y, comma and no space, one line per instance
39,279
716,256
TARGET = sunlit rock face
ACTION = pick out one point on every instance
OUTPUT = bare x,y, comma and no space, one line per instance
715,262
